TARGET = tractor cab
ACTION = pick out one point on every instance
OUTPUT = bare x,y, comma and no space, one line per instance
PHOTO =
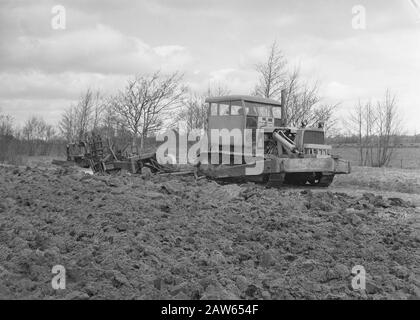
244,112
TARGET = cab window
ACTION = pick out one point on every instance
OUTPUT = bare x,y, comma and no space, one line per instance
250,109
213,109
264,111
236,108
277,112
258,110
223,109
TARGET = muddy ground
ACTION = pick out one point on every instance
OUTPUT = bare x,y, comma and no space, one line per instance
132,237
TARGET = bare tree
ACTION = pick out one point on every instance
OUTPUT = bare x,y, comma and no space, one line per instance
85,116
303,102
109,121
300,100
146,101
376,129
362,120
273,74
355,123
370,120
84,111
99,105
324,114
68,124
216,90
194,110
389,125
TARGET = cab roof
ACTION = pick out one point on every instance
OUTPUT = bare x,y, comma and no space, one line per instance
243,97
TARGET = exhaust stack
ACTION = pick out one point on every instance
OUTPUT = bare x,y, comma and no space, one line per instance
283,107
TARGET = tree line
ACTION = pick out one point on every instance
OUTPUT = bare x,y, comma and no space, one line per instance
35,138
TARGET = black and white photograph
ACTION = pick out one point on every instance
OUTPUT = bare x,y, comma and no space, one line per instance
209,155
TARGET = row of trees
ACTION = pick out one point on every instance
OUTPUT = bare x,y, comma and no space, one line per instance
35,128
35,138
137,111
6,125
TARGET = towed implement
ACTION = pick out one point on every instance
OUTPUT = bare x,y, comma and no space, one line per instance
101,157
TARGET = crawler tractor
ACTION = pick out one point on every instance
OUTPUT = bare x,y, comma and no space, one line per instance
290,155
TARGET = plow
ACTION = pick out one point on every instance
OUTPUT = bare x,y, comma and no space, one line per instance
289,155
101,157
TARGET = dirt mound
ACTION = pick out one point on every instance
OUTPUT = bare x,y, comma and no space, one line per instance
163,238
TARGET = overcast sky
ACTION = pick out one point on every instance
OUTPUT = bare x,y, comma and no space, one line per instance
43,70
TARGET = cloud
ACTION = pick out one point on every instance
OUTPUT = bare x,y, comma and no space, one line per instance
67,85
212,42
101,49
339,91
33,18
254,55
21,109
237,80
